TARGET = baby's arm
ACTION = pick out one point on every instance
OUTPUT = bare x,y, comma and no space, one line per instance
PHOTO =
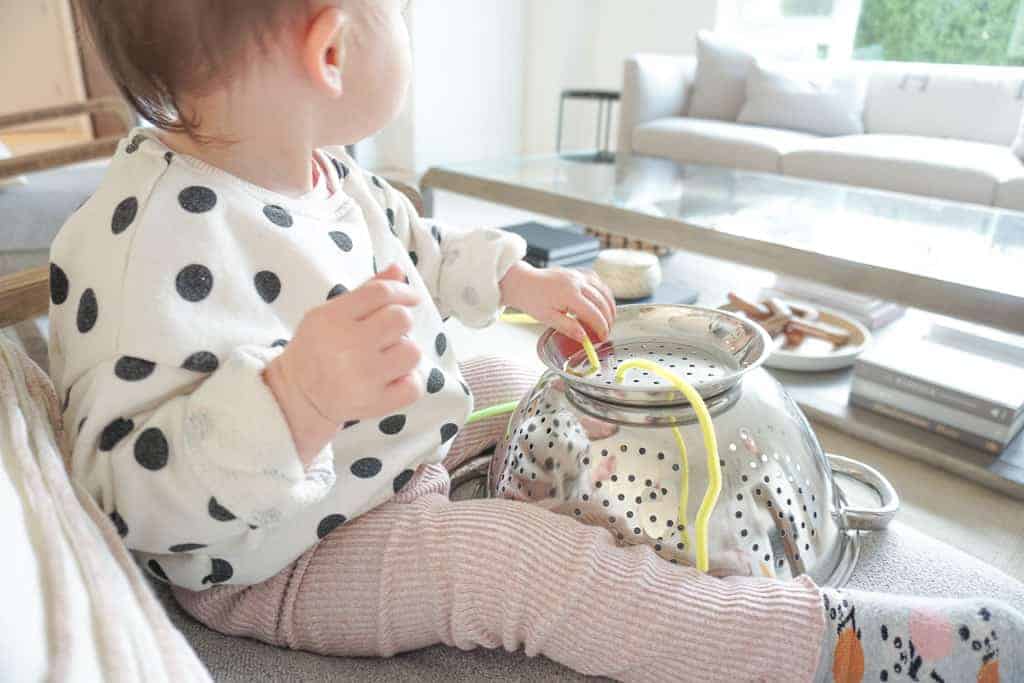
184,458
462,269
471,275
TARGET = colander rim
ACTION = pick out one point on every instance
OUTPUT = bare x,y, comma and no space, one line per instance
629,395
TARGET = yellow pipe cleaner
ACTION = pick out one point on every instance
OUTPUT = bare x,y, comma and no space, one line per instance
714,489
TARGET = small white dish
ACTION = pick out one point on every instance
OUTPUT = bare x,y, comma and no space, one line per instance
818,355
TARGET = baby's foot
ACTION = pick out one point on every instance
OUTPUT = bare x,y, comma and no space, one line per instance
882,637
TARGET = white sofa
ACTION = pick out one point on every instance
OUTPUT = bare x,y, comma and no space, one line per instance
934,130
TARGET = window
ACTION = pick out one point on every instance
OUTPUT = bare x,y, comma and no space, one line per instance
942,31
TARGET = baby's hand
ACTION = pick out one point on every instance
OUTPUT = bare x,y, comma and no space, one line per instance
349,360
548,294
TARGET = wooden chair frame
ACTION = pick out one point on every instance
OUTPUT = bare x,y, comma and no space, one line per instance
85,151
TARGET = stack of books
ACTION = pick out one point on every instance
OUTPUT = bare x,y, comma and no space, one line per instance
962,381
548,246
873,313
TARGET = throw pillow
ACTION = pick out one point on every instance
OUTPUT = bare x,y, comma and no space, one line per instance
806,99
720,84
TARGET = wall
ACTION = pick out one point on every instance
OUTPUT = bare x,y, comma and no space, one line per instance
39,64
489,72
466,100
583,43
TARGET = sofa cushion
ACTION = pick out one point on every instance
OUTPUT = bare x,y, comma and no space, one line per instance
949,169
981,104
1010,194
811,101
718,143
720,85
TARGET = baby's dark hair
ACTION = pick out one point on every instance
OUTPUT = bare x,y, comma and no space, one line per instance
159,50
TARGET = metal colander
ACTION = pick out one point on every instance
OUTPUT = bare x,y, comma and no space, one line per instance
606,453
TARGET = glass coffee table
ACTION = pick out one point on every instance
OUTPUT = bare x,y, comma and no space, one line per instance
959,260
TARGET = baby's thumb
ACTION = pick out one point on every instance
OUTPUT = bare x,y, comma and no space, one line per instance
392,272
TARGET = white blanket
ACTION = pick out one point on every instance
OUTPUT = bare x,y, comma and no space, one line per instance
75,607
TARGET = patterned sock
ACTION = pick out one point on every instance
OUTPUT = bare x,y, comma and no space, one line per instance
882,637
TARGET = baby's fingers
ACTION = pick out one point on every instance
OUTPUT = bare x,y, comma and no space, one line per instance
567,326
589,314
402,392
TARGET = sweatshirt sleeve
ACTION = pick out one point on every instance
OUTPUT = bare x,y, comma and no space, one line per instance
168,449
462,269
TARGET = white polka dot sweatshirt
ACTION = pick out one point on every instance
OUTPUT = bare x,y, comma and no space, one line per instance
174,286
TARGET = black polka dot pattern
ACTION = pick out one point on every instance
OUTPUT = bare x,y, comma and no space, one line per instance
197,199
268,285
280,344
152,450
402,479
194,283
448,432
341,168
390,213
414,258
186,547
435,382
219,512
367,468
118,521
392,425
220,571
377,182
278,215
133,146
201,361
329,524
133,369
436,232
169,157
124,215
350,424
441,344
342,239
88,311
59,285
465,388
157,570
114,432
336,291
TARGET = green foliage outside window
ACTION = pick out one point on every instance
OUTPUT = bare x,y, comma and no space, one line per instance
942,31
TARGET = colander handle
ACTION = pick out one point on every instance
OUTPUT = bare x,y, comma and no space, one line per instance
867,519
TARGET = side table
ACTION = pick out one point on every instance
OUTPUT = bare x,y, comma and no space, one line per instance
606,100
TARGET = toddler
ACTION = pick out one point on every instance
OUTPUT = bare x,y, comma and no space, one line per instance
248,332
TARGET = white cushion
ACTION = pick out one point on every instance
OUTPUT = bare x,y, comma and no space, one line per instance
965,103
808,100
720,86
717,143
1010,194
950,169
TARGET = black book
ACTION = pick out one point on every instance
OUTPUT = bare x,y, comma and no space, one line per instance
548,245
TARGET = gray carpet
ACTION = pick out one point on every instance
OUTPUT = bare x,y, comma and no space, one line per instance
900,560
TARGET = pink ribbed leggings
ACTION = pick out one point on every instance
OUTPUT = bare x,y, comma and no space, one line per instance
422,570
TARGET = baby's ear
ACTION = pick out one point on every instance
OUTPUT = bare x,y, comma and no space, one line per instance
323,50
